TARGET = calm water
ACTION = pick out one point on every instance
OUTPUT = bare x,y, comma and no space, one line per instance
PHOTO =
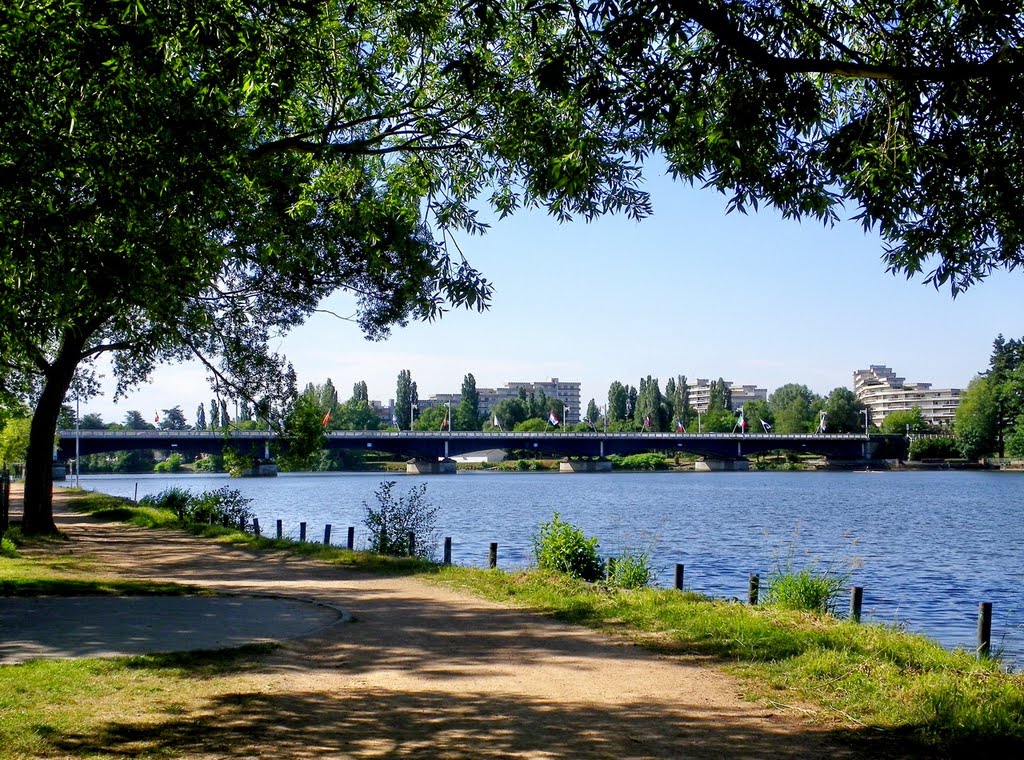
926,546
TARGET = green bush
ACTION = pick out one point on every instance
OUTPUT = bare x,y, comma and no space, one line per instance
8,548
562,547
393,519
806,589
171,464
224,506
934,448
639,462
630,569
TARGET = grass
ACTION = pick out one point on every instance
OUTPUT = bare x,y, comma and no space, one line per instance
880,682
897,685
110,707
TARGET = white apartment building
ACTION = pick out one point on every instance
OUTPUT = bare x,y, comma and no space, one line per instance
700,394
882,392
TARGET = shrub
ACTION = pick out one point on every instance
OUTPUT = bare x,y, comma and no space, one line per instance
224,506
639,462
8,547
171,464
933,448
807,589
176,499
562,547
631,569
394,518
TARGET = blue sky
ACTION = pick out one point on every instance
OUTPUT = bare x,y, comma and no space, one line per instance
754,299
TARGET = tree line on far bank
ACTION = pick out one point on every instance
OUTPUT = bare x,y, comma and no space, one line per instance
989,419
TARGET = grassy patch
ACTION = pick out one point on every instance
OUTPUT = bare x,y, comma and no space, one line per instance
68,707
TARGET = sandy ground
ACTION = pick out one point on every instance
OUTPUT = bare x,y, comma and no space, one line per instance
422,671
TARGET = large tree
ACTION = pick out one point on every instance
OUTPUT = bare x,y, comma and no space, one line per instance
905,115
189,181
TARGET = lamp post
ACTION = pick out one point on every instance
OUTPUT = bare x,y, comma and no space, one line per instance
78,460
865,413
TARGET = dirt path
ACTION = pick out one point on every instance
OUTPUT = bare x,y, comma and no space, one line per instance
428,672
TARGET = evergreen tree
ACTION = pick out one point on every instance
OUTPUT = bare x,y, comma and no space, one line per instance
618,401
225,418
133,420
359,391
469,405
214,414
593,413
404,400
200,417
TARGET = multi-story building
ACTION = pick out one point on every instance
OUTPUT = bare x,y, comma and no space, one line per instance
566,391
700,394
882,392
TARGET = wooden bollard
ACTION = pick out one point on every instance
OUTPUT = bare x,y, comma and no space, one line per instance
242,523
856,600
280,530
411,539
447,550
679,577
755,585
302,532
492,559
327,534
256,526
351,544
984,629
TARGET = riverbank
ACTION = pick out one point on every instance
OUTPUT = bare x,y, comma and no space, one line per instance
424,671
857,682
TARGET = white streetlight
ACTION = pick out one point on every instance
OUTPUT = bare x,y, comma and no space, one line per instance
865,413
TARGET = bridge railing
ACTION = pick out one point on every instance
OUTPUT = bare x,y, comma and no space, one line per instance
433,434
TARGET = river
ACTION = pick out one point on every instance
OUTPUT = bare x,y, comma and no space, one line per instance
926,546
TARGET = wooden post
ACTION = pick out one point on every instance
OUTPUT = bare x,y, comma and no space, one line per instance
412,543
302,532
241,523
256,526
447,550
679,577
856,599
755,584
492,559
280,530
351,544
984,629
327,534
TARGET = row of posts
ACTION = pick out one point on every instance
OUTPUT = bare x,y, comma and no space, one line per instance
984,647
753,589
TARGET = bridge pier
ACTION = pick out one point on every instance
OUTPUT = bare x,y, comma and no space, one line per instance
430,467
721,465
261,470
589,465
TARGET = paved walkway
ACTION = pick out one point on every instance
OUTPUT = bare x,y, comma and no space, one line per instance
126,625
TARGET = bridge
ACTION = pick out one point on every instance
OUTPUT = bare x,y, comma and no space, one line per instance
434,445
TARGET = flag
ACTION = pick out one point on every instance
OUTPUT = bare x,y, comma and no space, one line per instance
498,424
766,426
821,423
680,428
647,422
394,420
742,421
156,417
325,420
445,423
552,419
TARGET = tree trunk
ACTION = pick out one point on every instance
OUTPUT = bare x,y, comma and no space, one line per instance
38,517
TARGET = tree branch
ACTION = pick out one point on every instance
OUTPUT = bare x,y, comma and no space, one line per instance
719,24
